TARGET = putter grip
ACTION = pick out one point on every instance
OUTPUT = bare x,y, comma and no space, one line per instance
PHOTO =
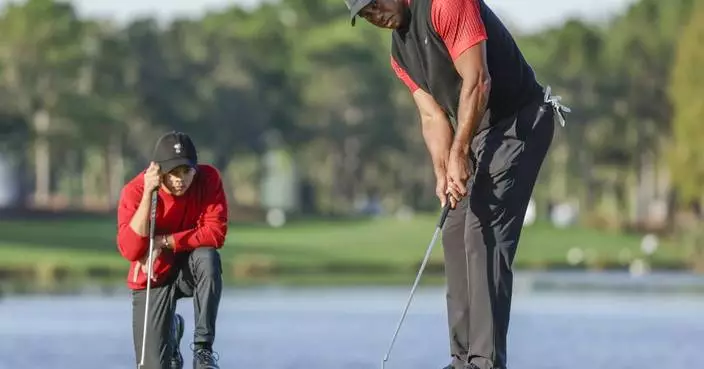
443,215
152,214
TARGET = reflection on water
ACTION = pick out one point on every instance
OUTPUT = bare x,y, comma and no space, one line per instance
351,328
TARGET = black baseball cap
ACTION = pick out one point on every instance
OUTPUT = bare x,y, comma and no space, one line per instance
355,6
173,150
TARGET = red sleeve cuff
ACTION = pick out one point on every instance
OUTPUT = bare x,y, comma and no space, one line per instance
465,44
403,76
181,239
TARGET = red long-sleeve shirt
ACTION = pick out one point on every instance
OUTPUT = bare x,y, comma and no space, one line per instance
459,25
196,219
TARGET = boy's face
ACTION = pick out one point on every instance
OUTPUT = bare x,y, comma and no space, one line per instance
179,180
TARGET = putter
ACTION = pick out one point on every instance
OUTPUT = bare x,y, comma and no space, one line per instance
438,228
152,225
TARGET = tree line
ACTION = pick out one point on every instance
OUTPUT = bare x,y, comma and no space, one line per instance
82,101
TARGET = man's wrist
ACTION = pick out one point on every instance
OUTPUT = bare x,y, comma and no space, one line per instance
440,164
440,171
459,148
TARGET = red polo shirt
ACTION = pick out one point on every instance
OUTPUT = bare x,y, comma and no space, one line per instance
198,218
459,25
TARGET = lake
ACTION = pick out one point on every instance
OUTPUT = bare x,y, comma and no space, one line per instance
349,328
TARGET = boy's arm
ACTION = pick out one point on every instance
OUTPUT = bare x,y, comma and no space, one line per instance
213,223
133,223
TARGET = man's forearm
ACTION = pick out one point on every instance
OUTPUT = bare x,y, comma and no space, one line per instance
437,133
140,219
473,102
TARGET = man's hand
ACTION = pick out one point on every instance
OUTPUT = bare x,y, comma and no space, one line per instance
458,173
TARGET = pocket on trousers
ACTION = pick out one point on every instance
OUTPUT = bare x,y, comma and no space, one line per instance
505,156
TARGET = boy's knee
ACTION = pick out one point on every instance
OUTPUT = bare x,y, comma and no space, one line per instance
206,253
206,260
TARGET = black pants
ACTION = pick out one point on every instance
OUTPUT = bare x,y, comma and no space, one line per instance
199,276
481,234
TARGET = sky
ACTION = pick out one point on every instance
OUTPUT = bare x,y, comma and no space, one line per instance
527,15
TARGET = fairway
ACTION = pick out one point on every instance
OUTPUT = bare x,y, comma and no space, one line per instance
383,247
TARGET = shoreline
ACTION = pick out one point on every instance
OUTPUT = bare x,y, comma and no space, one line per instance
252,269
47,254
583,279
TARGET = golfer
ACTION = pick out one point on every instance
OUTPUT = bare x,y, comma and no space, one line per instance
191,225
487,124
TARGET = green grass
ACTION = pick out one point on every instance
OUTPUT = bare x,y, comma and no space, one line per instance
354,247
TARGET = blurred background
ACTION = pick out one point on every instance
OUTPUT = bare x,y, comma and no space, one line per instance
330,186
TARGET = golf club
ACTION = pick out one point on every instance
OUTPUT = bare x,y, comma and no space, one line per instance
152,225
438,228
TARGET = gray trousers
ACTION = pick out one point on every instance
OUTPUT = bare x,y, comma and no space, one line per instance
199,276
481,234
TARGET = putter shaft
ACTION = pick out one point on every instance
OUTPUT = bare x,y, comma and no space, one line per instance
428,252
152,226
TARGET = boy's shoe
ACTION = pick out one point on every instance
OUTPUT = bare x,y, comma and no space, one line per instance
205,359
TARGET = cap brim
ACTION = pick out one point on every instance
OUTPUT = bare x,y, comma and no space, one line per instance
171,164
356,8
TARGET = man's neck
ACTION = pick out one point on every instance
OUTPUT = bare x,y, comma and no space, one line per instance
406,16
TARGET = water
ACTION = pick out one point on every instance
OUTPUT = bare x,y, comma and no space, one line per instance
351,328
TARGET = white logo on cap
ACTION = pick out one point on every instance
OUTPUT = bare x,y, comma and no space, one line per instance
177,148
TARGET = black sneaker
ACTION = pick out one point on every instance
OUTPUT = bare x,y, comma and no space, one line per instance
205,359
179,327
